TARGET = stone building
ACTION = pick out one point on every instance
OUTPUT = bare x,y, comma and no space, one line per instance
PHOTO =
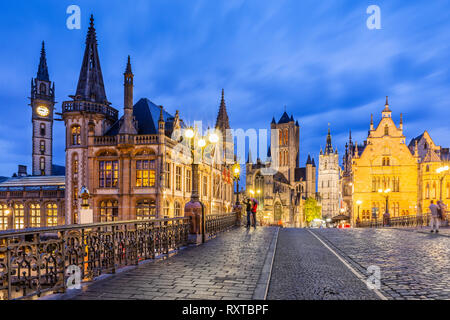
281,194
329,179
133,166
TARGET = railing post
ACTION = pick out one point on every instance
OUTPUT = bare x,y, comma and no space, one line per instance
113,270
136,243
8,267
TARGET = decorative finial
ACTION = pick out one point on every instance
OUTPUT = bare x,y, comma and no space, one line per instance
128,70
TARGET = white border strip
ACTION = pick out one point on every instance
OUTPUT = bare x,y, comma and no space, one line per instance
356,273
262,288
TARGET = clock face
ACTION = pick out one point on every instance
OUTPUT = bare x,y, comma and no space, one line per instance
42,111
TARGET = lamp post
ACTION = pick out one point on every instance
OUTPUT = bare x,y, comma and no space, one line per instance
194,208
441,178
358,202
385,194
236,177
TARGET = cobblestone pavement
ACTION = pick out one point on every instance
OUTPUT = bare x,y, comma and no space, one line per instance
224,268
413,265
445,231
304,269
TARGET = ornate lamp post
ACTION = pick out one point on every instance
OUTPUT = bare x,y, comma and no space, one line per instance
441,178
385,194
236,170
359,203
194,208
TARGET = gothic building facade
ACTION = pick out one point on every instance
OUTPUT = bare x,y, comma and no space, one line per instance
329,180
135,167
281,193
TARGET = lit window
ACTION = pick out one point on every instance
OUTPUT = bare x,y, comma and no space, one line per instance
35,215
3,217
19,216
386,130
178,178
166,209
188,181
177,208
42,165
52,215
145,173
109,211
108,174
168,175
42,146
76,135
146,209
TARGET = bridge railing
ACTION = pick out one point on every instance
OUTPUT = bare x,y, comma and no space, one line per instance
37,261
217,223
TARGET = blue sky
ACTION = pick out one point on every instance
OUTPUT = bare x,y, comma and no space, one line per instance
317,58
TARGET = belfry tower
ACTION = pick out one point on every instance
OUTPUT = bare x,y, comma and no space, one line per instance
42,104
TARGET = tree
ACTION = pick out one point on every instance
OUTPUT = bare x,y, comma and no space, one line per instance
312,210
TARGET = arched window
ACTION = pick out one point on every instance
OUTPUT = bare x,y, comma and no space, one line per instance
75,165
42,165
51,213
19,216
427,191
76,135
42,89
35,215
42,146
177,209
427,169
109,210
386,130
4,213
42,127
286,137
146,209
166,209
281,137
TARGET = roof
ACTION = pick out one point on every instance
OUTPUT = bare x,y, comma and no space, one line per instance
146,114
285,118
34,181
413,141
58,170
3,179
280,178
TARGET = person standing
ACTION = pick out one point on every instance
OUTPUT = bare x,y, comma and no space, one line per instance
254,210
434,209
248,208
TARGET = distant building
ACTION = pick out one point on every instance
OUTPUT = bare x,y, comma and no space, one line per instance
329,180
281,195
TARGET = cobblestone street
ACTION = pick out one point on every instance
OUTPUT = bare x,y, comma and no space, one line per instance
414,265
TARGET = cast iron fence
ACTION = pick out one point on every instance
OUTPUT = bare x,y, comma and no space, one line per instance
216,223
37,261
404,221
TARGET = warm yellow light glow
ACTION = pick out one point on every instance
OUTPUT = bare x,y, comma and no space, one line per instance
7,212
442,169
259,191
387,190
252,191
213,137
42,111
189,133
359,202
201,143
237,170
380,190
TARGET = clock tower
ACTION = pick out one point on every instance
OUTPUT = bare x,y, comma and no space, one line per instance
42,104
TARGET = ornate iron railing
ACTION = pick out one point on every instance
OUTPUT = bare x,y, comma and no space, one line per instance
37,261
216,223
404,221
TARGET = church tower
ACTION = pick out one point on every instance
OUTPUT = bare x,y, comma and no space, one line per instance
329,174
88,115
42,104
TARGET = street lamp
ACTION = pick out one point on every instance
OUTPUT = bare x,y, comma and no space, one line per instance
385,194
236,169
441,179
359,202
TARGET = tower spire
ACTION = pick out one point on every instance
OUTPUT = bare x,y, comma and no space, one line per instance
127,126
329,147
90,84
42,73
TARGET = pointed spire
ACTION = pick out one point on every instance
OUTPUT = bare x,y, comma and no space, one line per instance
273,121
371,122
401,120
269,152
386,112
90,84
223,122
308,161
128,69
350,137
313,163
329,147
42,73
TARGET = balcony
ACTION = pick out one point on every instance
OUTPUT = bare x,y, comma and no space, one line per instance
86,106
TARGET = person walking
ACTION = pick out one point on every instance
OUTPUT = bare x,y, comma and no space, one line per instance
254,210
434,209
248,208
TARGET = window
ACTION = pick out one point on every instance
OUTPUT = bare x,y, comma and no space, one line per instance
433,192
51,213
42,165
168,174
205,186
177,208
166,208
35,215
386,130
396,207
286,137
188,181
146,209
42,89
19,216
4,212
366,215
178,178
76,135
427,191
75,166
42,129
374,184
145,173
42,146
281,137
427,169
109,210
108,174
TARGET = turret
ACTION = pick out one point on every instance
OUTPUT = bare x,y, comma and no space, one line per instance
127,126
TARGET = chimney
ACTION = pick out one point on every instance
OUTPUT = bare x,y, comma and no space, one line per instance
22,171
